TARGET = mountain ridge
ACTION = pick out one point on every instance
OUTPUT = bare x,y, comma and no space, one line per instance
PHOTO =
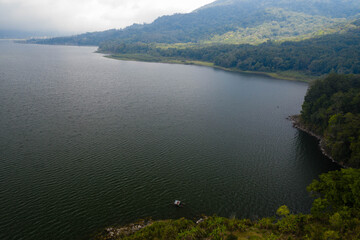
226,16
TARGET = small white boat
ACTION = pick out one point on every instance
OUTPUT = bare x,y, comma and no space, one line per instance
178,203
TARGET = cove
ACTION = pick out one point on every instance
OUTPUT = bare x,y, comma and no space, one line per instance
87,142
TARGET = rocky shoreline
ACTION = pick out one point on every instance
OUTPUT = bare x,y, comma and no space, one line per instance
122,231
119,232
295,119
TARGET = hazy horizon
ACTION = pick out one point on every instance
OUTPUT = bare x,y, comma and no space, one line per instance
78,16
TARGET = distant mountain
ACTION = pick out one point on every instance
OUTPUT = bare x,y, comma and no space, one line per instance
232,21
17,34
328,8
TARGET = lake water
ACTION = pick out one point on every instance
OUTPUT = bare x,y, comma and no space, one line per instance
87,142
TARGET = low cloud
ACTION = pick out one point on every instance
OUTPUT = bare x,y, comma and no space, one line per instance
77,16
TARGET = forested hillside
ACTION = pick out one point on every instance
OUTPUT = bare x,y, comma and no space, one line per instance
330,8
232,21
332,110
293,37
316,56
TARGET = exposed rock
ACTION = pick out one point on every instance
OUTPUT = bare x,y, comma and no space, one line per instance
126,230
296,121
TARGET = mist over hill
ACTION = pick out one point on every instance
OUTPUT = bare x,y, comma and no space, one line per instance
328,8
232,21
308,37
17,34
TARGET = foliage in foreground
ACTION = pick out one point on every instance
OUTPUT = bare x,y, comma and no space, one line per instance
332,109
334,215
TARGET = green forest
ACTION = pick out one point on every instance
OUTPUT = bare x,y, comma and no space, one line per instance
302,37
316,56
209,27
232,22
332,109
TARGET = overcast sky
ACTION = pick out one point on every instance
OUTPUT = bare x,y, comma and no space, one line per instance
77,16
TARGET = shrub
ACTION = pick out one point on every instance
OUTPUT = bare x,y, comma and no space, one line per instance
283,211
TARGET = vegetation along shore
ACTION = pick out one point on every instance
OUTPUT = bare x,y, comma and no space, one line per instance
334,214
296,40
285,75
331,112
297,123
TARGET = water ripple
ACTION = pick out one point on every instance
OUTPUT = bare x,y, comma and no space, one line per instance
88,142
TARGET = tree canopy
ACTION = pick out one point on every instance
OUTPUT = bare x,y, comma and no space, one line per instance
337,52
332,109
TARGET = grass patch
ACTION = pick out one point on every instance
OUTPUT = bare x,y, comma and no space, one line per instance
285,75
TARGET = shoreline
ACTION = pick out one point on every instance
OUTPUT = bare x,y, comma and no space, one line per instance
286,75
207,227
295,119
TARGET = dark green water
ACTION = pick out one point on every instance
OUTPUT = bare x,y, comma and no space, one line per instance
88,142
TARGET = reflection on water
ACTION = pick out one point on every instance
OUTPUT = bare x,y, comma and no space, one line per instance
307,148
88,142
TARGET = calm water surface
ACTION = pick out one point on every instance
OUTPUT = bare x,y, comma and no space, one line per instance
88,142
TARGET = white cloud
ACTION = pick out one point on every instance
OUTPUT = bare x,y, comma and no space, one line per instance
87,15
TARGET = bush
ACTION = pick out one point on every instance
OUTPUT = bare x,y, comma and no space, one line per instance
266,223
283,211
288,224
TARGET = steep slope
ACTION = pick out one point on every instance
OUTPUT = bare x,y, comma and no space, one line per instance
216,21
328,8
280,24
338,52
